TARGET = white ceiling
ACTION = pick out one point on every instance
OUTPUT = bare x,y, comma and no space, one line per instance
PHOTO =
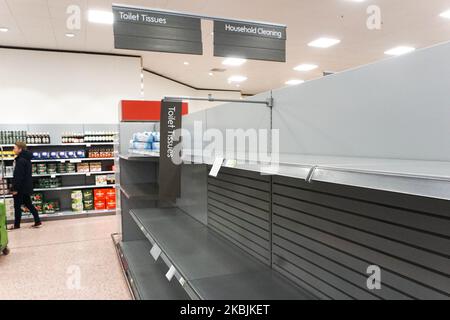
42,24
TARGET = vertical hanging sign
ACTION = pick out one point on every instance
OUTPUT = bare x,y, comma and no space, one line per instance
169,163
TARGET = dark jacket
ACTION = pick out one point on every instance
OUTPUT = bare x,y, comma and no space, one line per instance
22,181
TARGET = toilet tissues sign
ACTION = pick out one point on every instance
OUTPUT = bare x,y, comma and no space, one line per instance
169,162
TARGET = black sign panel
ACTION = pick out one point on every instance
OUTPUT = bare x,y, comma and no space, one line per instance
148,30
170,155
249,40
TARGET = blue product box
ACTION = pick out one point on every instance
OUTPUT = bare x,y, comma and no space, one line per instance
62,155
45,155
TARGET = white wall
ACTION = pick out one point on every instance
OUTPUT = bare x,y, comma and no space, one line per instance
52,87
156,88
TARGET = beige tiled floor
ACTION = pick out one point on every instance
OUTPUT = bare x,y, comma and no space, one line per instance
68,259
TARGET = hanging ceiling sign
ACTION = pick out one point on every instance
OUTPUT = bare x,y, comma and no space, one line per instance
249,40
149,30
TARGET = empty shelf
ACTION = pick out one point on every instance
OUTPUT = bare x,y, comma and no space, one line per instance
147,276
210,264
415,177
144,191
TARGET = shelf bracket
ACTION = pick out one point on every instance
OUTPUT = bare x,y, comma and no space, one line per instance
268,102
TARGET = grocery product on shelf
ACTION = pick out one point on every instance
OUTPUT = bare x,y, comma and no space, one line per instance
4,187
77,200
110,199
100,152
7,155
88,200
72,137
11,137
145,141
101,180
51,168
100,199
111,179
95,167
9,206
37,199
88,137
51,206
38,138
49,183
61,168
71,168
7,171
83,167
99,136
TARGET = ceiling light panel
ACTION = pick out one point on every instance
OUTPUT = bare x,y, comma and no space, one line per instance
237,79
324,42
102,17
400,50
235,62
445,14
306,67
294,82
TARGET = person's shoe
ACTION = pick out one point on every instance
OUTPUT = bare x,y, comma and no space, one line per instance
13,228
37,225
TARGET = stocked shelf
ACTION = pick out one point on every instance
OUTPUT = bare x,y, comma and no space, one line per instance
146,191
68,174
87,144
207,265
67,215
144,273
73,160
73,188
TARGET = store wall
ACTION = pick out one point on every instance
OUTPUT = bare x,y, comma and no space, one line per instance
54,87
157,87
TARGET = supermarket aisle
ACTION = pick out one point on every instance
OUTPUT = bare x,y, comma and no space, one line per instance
68,259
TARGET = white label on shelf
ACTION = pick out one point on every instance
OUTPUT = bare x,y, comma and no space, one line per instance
75,161
170,273
88,174
63,161
88,145
216,167
53,176
230,163
155,252
182,281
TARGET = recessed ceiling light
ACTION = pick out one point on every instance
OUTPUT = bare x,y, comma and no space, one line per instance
397,51
211,74
97,16
445,14
4,29
306,67
294,82
186,63
324,42
234,62
70,35
236,79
